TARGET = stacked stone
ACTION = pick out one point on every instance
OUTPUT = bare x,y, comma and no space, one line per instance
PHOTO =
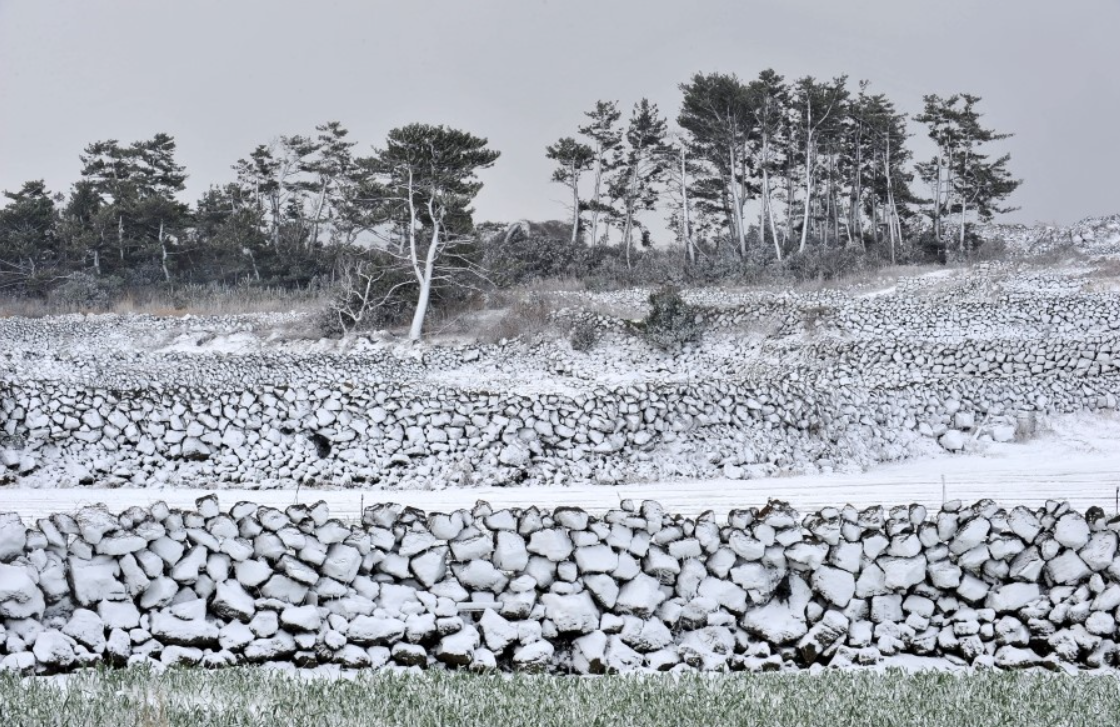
562,590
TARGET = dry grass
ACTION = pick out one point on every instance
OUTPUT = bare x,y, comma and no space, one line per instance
192,300
526,317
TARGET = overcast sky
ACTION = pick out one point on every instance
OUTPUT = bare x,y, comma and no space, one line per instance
222,76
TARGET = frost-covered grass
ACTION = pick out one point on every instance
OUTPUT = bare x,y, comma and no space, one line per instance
243,697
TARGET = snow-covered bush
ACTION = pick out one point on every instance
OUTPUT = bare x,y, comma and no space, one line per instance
671,322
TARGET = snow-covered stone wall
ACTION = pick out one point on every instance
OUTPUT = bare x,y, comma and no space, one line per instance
783,381
638,588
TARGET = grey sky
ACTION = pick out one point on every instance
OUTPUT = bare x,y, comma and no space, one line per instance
225,75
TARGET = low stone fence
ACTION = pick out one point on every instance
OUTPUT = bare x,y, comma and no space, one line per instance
562,590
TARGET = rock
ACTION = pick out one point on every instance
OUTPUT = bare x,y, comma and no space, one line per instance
430,567
953,440
515,455
54,650
510,553
973,533
835,585
1072,531
95,580
781,621
708,648
596,559
1067,568
536,656
370,630
13,536
604,588
902,573
1012,596
87,629
300,618
1013,657
1100,550
342,563
173,630
119,614
20,597
575,613
279,647
405,654
589,653
640,596
234,636
232,602
832,627
458,649
552,544
481,575
496,631
727,595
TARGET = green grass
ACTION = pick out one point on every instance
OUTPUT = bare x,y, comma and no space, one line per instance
244,697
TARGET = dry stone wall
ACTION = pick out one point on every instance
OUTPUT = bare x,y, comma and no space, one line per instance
835,381
562,590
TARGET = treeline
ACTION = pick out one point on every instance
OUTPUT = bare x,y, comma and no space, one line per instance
782,166
759,173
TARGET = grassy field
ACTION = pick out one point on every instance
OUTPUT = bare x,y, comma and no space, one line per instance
244,697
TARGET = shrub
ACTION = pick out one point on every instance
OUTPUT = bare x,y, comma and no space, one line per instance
671,322
526,317
369,296
86,291
584,336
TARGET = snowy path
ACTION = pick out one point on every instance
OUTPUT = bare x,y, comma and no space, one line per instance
1010,474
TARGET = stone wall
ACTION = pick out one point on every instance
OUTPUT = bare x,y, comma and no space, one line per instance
835,380
565,591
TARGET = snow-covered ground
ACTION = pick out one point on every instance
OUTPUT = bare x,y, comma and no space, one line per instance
1077,460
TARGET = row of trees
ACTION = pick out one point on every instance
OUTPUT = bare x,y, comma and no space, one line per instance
300,206
801,162
759,169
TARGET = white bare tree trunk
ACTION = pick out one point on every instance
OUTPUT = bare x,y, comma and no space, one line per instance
736,203
163,251
686,233
767,206
597,191
808,179
417,328
574,181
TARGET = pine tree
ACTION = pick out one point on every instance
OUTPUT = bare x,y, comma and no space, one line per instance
716,112
962,176
573,159
606,138
639,168
29,239
430,171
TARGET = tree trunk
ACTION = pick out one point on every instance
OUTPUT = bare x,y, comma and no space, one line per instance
596,192
163,253
891,210
685,213
737,204
417,328
767,202
808,178
274,200
120,236
627,234
574,181
314,236
964,212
